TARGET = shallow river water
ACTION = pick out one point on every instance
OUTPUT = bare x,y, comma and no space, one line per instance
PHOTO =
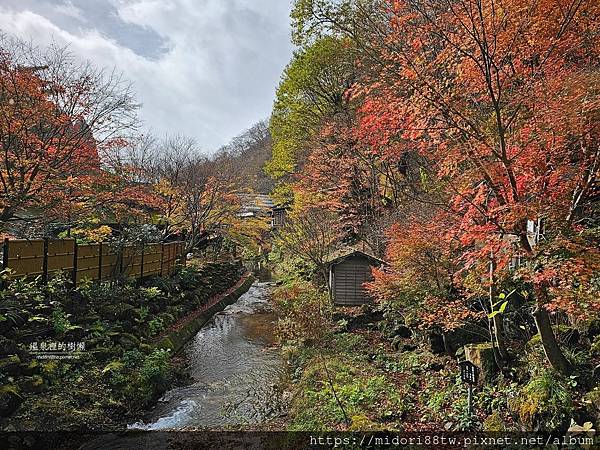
235,369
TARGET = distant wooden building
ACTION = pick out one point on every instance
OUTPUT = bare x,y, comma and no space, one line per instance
255,206
278,217
349,269
261,205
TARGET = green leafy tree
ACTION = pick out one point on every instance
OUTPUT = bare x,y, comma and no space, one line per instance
314,89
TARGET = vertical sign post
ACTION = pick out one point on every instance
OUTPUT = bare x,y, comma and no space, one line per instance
469,374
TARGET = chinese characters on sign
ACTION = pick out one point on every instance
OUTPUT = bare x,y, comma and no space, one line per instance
56,350
469,372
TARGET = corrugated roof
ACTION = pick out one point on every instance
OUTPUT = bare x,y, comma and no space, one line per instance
262,199
253,203
346,252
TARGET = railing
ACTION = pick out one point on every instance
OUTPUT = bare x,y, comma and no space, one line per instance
44,257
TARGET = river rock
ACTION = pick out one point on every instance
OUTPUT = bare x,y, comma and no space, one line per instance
10,399
7,346
102,353
402,331
470,333
122,311
482,355
30,368
139,330
397,342
74,334
436,343
9,365
34,384
126,311
127,341
91,343
146,348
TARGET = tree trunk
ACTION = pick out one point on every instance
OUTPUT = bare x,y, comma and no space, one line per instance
498,342
325,275
6,214
554,354
499,338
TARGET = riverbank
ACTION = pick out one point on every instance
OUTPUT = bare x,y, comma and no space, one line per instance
355,380
185,328
118,370
351,369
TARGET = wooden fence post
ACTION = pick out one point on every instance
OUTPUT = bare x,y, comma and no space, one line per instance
162,257
5,253
75,258
100,250
120,262
45,263
5,247
142,264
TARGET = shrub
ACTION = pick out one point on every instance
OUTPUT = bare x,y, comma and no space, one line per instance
151,293
187,278
595,348
140,377
60,321
304,313
493,423
156,325
543,403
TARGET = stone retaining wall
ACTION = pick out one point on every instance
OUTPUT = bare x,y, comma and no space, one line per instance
186,328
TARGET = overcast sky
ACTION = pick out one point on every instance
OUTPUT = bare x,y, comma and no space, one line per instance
204,68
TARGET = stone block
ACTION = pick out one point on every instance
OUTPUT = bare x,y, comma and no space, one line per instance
482,355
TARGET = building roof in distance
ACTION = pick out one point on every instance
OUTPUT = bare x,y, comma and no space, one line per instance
346,252
255,203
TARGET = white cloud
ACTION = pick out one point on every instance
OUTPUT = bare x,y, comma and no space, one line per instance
68,9
217,74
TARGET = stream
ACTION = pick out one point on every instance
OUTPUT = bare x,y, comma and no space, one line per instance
235,368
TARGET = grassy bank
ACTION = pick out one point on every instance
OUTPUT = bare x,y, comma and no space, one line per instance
376,387
348,370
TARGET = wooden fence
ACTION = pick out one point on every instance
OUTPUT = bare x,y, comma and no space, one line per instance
43,257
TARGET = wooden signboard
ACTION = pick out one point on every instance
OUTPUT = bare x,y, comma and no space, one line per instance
469,372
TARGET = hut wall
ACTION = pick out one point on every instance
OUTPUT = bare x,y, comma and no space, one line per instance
348,277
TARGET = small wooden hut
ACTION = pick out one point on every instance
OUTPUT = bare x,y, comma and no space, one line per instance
349,269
